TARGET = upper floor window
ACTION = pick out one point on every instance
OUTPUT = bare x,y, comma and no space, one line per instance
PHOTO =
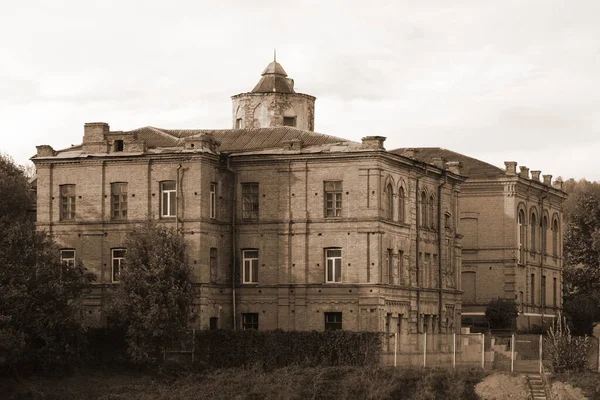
213,264
431,214
533,223
118,259
390,266
250,200
67,257
118,145
239,123
67,202
521,222
250,266
289,121
423,215
249,320
118,194
168,198
333,321
213,200
532,289
401,204
555,237
544,234
333,261
389,202
333,198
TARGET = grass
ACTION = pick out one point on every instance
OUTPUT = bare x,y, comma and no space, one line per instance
285,383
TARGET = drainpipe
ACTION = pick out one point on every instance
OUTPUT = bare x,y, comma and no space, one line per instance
177,200
542,253
440,275
417,258
233,243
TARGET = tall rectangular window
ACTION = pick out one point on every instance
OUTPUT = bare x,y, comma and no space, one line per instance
250,262
213,200
67,202
333,321
333,198
168,198
401,280
532,289
333,261
543,291
250,200
213,264
249,320
554,292
67,257
118,195
239,124
118,258
390,262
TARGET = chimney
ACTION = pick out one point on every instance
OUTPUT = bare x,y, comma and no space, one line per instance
373,142
535,175
438,162
45,151
455,167
410,153
524,172
547,179
208,140
95,132
558,184
511,167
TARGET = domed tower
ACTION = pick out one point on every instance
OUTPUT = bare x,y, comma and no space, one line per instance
273,102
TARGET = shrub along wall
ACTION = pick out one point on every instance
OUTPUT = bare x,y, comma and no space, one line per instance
276,349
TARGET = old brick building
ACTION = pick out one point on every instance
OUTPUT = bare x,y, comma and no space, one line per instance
287,228
512,227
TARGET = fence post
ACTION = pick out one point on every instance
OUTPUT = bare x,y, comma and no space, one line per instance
541,351
425,349
454,350
512,353
395,347
483,351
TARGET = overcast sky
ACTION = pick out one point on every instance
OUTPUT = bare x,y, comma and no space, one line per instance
496,80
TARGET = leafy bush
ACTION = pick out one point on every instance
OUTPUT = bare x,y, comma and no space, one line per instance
501,313
276,349
567,352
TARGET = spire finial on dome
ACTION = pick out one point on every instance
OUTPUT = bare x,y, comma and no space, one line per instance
274,55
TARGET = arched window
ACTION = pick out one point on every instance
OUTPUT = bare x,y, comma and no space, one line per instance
390,202
555,237
431,218
423,209
544,233
401,204
533,223
521,221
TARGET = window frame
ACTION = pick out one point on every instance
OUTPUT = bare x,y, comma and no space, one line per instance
118,262
389,199
213,200
333,204
555,236
544,235
336,265
533,223
522,235
168,200
250,201
423,210
250,321
68,261
431,213
118,200
250,266
292,119
401,205
333,320
68,202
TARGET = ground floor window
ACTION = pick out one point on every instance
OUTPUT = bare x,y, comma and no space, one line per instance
333,321
250,321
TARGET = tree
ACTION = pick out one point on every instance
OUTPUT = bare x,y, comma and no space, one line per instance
153,301
39,308
501,313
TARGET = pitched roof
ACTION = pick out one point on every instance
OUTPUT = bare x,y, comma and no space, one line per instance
472,167
235,140
274,79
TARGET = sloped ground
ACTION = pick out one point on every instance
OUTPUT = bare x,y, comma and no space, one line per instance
502,386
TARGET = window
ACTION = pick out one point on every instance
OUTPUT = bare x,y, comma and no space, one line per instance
249,320
401,268
118,195
289,121
401,204
532,289
168,199
333,321
250,200
213,323
67,202
431,218
554,292
544,233
213,200
521,301
67,257
334,265
521,222
239,124
118,145
423,221
543,291
533,226
333,199
555,237
118,258
389,202
390,262
213,264
250,262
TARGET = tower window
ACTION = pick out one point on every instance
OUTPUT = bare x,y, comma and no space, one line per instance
289,121
118,145
239,124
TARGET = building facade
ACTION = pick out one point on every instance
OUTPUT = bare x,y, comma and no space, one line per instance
512,227
286,228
